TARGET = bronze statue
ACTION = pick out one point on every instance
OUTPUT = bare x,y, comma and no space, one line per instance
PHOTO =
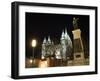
75,22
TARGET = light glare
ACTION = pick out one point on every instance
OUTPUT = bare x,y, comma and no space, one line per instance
33,43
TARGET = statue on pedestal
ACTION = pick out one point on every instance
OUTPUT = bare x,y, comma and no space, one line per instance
75,22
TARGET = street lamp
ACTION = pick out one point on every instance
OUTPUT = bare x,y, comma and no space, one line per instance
33,45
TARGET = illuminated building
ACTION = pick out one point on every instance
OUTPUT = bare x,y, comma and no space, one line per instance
59,52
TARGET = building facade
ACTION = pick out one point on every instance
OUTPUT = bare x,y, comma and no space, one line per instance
59,52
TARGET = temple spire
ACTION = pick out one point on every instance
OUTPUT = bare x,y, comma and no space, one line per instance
44,41
63,35
49,40
66,33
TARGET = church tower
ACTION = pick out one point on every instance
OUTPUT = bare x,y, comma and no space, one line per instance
78,45
44,49
66,45
49,40
63,45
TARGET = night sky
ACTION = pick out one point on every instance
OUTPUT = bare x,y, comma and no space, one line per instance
40,25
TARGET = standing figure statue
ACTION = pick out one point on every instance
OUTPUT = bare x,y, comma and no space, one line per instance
75,22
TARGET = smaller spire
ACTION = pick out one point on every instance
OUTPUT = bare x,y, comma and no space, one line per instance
52,43
65,30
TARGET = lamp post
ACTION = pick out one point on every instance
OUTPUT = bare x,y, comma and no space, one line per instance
33,45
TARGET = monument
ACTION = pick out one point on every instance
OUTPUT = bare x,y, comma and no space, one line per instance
78,55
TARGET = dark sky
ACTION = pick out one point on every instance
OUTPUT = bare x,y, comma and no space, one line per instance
40,25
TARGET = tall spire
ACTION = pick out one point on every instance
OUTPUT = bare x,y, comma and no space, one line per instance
66,35
44,41
63,35
49,40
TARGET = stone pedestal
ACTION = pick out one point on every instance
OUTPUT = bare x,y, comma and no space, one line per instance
78,48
